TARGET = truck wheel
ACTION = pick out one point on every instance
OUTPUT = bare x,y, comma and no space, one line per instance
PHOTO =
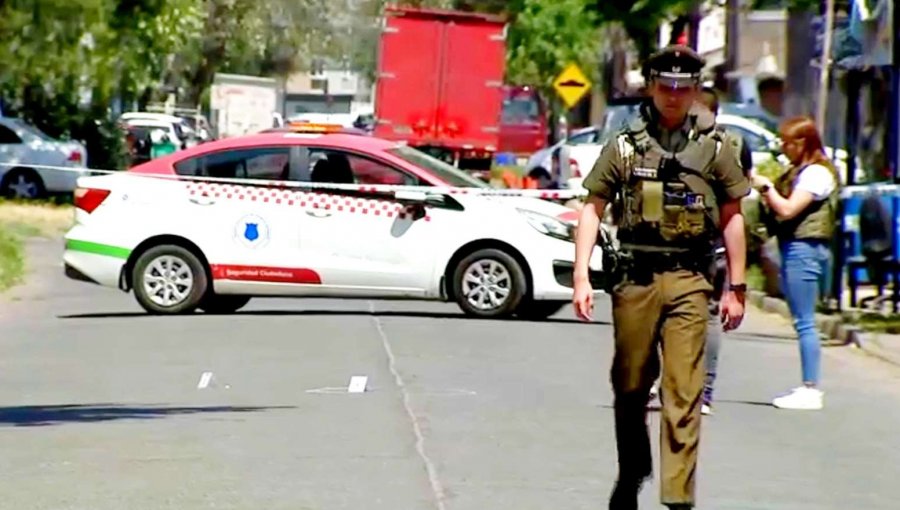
537,310
223,304
489,283
169,279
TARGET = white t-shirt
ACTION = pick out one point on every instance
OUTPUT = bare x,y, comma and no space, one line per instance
817,180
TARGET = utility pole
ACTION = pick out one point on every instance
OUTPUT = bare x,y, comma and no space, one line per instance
825,67
694,17
732,41
799,55
894,115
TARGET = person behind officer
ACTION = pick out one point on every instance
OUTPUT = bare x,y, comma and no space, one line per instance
676,184
710,99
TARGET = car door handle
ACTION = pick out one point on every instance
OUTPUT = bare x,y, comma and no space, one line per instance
203,200
318,213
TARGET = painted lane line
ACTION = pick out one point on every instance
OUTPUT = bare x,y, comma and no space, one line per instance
436,487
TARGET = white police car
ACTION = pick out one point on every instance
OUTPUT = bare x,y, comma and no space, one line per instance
183,244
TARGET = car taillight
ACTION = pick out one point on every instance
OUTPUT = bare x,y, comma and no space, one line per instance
576,172
88,199
74,157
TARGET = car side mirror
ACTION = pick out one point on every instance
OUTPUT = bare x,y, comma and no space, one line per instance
418,198
416,201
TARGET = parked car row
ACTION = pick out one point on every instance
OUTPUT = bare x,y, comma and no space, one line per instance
564,164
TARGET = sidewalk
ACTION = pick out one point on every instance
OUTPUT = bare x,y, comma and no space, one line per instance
838,330
883,346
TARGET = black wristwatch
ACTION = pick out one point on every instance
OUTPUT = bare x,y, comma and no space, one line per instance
737,287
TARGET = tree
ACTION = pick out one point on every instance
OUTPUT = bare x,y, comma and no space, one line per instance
640,18
545,36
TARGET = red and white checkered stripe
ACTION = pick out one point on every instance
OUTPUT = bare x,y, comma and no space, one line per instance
384,207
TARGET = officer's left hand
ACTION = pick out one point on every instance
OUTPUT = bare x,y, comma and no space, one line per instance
732,309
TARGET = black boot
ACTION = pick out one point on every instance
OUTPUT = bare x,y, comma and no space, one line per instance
625,495
680,506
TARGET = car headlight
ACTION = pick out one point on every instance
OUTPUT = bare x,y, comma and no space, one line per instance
549,225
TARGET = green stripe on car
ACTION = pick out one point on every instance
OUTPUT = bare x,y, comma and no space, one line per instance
98,249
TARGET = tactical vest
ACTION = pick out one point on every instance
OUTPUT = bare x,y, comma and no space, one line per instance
817,220
667,202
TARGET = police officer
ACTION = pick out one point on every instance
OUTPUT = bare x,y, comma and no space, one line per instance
675,183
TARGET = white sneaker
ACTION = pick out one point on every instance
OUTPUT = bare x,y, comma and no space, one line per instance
705,409
802,398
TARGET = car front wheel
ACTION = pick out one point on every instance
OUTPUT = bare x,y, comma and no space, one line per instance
169,279
489,283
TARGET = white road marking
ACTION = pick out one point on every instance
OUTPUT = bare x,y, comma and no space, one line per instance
205,379
436,487
329,389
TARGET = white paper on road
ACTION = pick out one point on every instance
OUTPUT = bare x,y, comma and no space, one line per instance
357,384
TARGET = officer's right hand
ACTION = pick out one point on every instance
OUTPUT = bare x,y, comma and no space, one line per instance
583,299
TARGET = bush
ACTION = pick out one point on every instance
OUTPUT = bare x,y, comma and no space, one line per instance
770,168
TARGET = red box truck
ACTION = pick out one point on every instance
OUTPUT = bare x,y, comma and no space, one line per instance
439,82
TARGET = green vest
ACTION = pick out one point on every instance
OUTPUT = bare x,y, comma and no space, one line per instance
816,221
667,201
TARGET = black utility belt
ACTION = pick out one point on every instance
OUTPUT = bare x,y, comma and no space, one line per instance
667,261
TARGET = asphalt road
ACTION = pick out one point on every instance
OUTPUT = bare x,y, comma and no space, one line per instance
101,410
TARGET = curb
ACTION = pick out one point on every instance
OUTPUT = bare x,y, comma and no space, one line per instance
833,327
868,343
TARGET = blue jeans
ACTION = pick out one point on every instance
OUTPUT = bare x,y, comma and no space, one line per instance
805,270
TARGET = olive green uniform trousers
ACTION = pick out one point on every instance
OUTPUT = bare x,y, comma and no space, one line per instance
668,310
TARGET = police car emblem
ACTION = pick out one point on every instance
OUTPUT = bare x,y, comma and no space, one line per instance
251,231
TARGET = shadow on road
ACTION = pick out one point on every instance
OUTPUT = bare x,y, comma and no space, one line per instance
656,407
762,337
323,313
36,416
744,403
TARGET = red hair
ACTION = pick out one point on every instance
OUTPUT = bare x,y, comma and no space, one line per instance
803,128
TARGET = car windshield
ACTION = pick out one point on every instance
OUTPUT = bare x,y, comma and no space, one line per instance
448,173
28,128
520,109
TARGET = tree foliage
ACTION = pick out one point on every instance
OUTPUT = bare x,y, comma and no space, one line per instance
66,62
547,35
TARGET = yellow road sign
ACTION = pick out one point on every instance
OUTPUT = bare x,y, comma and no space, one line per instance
571,85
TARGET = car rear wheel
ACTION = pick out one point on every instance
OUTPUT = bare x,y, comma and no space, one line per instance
22,183
169,279
222,304
489,283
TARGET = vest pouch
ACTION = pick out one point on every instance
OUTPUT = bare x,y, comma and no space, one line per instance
651,201
680,223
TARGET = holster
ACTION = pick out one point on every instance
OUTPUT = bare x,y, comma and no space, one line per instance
616,267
